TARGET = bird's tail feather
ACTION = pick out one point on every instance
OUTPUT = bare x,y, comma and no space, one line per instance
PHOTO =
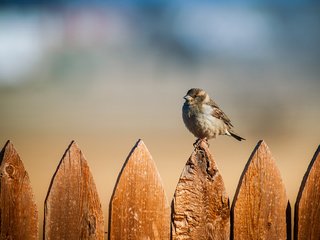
236,136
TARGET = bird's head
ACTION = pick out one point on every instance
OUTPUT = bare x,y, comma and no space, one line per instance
196,96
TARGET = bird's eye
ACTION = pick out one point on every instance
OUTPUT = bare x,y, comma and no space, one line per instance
199,97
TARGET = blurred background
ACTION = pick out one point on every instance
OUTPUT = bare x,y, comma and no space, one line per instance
111,72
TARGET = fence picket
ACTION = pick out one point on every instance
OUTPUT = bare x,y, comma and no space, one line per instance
260,208
307,207
200,207
139,207
72,206
18,211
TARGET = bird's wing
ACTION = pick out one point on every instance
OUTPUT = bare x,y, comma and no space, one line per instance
218,113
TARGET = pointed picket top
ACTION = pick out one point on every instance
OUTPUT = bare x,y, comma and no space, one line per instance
18,211
200,207
260,208
138,206
72,206
307,208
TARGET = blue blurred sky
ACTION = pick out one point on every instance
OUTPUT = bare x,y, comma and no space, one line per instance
190,32
286,3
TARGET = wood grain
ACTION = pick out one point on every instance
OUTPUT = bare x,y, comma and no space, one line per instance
72,206
18,211
307,207
139,208
200,205
260,206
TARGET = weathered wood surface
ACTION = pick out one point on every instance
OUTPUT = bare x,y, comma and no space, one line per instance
139,208
200,205
307,208
72,206
18,211
260,206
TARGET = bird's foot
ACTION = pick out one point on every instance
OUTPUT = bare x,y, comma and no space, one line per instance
198,142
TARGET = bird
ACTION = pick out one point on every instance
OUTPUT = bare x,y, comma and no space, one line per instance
204,118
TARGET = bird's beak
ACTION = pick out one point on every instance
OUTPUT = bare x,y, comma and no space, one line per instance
187,97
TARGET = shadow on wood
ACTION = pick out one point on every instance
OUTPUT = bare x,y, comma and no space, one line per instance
18,211
307,207
200,207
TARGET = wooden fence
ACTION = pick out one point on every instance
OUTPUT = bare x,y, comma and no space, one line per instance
139,208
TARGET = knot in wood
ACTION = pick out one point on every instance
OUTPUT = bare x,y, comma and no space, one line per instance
269,224
91,225
10,170
211,170
8,237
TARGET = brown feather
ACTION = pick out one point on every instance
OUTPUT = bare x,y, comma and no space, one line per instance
218,113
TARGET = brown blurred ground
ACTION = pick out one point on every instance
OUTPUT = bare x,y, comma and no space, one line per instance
106,121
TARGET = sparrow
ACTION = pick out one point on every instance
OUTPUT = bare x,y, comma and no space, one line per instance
203,117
